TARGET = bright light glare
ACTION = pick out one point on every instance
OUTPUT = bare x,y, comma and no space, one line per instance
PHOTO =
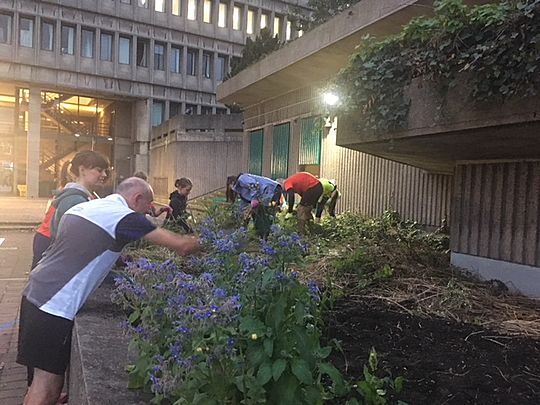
330,98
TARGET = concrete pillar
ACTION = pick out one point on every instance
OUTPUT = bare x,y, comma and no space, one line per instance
141,135
33,137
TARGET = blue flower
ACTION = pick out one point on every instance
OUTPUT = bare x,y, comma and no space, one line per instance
219,292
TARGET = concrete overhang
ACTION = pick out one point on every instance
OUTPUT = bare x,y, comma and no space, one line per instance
436,138
322,52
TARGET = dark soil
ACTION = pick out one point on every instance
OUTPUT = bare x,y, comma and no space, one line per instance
443,362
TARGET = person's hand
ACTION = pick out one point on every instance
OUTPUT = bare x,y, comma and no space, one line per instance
289,215
167,209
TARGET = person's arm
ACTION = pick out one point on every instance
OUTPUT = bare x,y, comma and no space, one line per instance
290,200
183,245
333,202
320,207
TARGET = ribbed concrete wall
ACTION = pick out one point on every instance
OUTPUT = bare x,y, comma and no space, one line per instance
371,185
496,211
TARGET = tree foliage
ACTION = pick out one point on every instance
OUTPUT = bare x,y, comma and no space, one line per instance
264,44
323,10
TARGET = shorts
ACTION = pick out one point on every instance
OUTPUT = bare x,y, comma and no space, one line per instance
311,196
44,339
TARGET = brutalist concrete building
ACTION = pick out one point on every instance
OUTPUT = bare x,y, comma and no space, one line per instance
99,74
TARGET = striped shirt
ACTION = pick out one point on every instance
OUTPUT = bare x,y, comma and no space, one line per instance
90,238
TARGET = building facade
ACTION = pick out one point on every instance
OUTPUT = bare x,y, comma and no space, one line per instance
476,164
87,74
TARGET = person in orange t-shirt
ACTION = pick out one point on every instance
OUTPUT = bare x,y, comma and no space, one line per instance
310,189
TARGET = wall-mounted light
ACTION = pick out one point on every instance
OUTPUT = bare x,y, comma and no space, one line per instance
109,138
77,135
330,98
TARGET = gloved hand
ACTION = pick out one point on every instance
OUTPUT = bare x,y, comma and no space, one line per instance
289,215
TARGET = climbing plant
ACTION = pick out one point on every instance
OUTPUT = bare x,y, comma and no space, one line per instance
495,48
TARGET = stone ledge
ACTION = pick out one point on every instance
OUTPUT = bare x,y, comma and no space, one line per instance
99,355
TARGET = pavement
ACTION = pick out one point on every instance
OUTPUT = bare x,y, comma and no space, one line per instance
18,219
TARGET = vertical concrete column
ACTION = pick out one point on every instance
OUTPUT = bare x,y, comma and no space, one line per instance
141,135
33,143
267,151
294,145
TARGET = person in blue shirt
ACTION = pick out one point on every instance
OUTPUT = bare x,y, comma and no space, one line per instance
260,198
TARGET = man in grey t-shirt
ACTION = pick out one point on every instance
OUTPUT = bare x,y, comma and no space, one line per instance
90,239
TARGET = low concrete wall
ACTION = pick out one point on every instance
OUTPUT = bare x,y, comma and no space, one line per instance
517,277
99,355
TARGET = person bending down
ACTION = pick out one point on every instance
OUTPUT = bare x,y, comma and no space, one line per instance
62,281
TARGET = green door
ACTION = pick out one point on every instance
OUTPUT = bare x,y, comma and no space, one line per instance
256,152
310,141
280,151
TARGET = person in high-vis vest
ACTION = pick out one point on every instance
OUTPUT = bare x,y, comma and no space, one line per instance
329,198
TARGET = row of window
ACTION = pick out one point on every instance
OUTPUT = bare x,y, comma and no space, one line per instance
106,49
175,7
158,111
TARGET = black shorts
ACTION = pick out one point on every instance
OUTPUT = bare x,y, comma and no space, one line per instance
44,339
311,196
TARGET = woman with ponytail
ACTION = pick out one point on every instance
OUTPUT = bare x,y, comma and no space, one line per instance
80,177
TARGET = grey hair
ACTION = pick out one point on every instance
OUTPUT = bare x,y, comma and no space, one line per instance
134,185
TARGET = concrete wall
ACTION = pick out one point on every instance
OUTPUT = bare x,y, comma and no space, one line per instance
206,149
369,184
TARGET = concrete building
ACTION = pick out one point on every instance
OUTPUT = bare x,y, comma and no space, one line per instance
479,166
80,74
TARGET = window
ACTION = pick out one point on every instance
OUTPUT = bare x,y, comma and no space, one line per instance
192,10
47,36
207,11
176,59
142,3
222,68
125,1
159,56
206,110
124,50
264,21
142,52
237,18
176,7
159,6
5,29
221,111
106,46
87,43
250,21
68,39
26,32
158,109
288,31
207,65
277,26
222,15
191,109
191,62
174,109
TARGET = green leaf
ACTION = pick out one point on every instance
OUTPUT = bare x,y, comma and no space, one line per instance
335,376
299,312
265,373
277,368
300,369
134,316
268,345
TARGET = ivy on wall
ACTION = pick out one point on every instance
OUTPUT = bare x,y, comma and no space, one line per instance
496,45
